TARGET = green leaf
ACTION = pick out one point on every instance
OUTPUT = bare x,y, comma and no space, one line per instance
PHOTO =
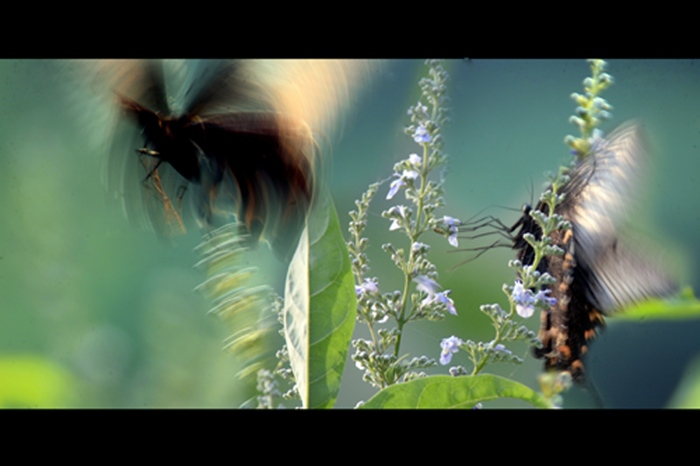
686,306
446,392
296,314
687,394
320,307
28,380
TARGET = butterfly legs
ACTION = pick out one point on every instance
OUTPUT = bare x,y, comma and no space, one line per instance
153,178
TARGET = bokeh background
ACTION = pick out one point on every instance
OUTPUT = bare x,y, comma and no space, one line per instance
97,313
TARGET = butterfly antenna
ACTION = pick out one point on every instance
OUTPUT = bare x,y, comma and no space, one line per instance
488,233
481,250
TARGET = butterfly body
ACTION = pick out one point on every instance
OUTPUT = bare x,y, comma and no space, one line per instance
566,328
257,165
598,274
240,144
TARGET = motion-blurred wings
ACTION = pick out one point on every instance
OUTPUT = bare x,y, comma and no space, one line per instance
234,137
599,272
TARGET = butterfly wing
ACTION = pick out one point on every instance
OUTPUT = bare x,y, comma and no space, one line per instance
216,86
599,273
151,193
260,167
242,137
603,190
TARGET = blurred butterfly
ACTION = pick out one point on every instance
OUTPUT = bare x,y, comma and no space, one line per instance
598,273
237,137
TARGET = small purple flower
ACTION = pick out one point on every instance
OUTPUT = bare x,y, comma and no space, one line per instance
401,210
449,347
525,310
400,182
443,298
394,187
426,284
518,293
542,294
421,134
451,223
367,286
500,347
417,246
524,300
415,159
409,174
431,287
452,239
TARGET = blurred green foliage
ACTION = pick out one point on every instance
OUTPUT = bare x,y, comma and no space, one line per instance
113,307
31,381
687,395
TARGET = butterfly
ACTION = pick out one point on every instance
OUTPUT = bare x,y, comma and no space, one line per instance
236,136
599,272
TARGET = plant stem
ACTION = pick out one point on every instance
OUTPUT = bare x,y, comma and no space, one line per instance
415,234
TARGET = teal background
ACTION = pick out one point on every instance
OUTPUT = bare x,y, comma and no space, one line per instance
111,308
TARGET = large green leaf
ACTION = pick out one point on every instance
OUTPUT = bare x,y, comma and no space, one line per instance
686,306
446,392
296,315
320,307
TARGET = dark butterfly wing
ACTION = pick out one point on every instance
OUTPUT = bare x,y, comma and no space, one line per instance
599,273
256,165
141,80
241,143
260,166
151,193
219,85
153,87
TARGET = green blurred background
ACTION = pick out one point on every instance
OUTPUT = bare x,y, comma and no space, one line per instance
97,313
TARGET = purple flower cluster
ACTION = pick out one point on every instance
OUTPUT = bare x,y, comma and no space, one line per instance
449,347
421,134
403,179
525,299
368,286
434,296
